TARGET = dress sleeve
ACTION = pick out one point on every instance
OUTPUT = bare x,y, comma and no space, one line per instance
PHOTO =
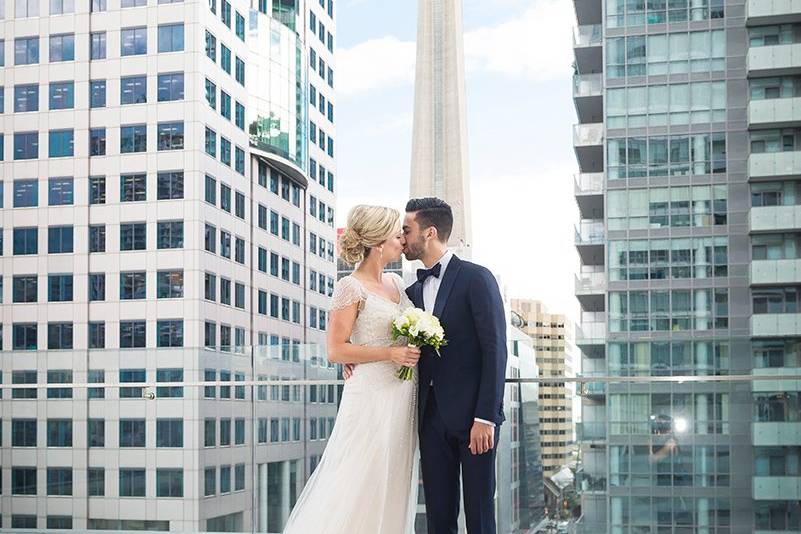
346,292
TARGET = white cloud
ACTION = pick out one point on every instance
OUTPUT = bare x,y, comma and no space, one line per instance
374,64
535,45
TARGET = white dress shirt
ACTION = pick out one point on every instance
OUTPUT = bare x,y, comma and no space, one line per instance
430,291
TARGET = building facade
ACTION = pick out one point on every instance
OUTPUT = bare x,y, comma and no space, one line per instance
553,353
168,193
687,148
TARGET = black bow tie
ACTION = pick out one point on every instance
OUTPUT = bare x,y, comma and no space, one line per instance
423,274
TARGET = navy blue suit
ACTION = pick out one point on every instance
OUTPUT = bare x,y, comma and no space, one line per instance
468,383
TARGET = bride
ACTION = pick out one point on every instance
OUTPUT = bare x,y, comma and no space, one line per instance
364,483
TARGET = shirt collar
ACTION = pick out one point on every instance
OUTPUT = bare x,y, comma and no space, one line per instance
444,261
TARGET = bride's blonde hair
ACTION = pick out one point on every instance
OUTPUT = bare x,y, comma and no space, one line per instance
368,227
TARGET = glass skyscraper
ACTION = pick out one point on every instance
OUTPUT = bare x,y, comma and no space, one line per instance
689,154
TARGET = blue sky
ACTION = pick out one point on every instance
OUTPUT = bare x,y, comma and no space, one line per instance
518,57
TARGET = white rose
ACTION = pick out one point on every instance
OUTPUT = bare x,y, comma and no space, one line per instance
401,322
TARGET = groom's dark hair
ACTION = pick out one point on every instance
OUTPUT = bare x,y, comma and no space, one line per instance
434,212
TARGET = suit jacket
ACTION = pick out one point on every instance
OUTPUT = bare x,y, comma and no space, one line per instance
469,375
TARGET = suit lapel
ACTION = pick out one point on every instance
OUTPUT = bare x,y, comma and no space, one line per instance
445,287
415,293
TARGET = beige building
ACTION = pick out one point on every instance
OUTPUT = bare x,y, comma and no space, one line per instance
553,353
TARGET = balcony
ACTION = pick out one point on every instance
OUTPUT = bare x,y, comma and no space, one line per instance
588,97
776,60
591,290
588,143
587,483
785,488
589,191
588,11
591,432
591,390
776,272
762,12
773,379
590,237
588,47
774,164
776,324
775,113
775,434
591,334
773,218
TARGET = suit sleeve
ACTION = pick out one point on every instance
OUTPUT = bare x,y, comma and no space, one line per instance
490,323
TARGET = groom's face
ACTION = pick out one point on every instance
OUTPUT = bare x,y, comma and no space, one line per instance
415,241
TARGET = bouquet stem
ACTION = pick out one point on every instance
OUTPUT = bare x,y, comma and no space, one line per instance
405,373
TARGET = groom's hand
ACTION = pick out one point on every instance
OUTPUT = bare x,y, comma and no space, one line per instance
482,438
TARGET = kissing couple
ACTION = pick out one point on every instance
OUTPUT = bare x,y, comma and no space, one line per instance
452,408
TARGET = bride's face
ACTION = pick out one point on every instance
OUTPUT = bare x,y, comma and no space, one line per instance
393,247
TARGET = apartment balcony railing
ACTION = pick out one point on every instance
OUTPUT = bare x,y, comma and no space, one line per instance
775,218
588,35
774,112
589,183
588,85
760,12
591,334
591,432
590,283
774,60
590,483
586,135
774,164
591,389
590,233
772,272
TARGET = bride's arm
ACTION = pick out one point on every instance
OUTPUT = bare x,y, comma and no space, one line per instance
341,350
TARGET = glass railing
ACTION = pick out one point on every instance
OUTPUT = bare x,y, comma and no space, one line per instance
587,85
195,440
588,35
590,232
590,282
589,183
588,134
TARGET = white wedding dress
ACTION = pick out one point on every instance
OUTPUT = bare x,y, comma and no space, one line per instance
366,481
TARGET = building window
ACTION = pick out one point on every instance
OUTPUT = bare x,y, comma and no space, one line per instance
225,58
26,49
61,143
96,481
133,90
133,188
96,433
26,8
97,238
97,338
210,286
171,37
132,482
169,432
23,482
239,162
97,190
225,291
239,295
26,145
133,285
211,46
26,98
59,239
210,337
133,236
59,433
209,481
59,337
211,142
239,116
225,198
239,250
60,191
225,244
23,432
97,94
169,284
62,47
97,142
132,431
225,151
171,87
169,482
170,234
240,26
132,334
239,73
26,193
24,337
133,41
170,333
133,138
170,185
25,288
170,135
97,44
211,93
210,238
211,190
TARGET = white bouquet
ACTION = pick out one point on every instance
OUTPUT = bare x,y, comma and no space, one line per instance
418,328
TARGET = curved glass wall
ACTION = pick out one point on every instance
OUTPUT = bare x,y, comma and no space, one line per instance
277,87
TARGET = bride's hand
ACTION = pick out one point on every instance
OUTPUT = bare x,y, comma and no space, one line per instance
404,356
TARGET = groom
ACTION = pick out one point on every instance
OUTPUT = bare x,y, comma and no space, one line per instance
461,391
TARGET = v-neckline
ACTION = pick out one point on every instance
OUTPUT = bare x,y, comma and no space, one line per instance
379,295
